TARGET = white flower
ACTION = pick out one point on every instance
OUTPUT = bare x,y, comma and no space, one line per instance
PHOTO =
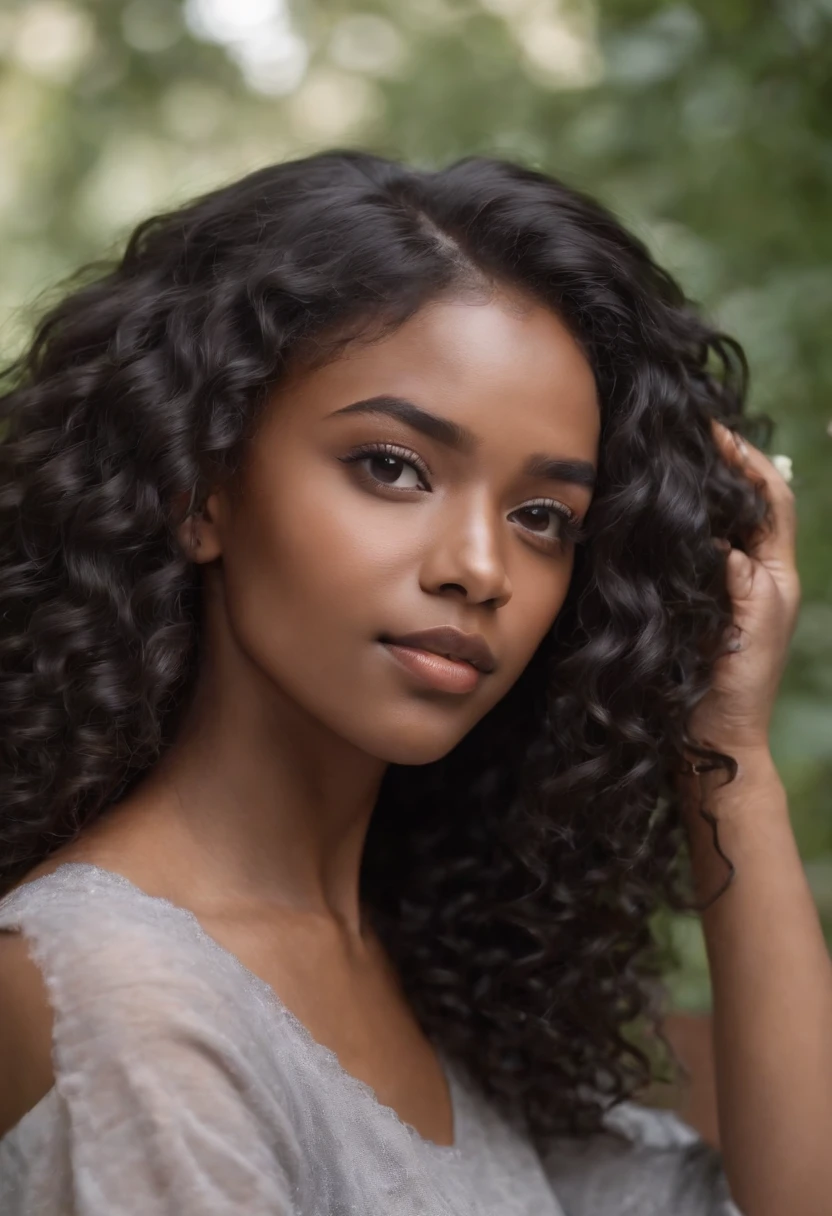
783,465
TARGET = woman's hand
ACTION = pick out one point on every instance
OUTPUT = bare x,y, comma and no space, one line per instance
764,586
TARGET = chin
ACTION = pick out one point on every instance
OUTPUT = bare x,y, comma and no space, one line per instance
413,743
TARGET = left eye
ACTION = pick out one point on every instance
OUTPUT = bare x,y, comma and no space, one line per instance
540,518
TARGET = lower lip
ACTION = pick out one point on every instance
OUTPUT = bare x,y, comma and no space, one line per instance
448,675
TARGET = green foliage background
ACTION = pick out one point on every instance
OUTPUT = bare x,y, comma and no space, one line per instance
705,126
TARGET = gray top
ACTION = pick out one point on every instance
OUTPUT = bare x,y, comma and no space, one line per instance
184,1087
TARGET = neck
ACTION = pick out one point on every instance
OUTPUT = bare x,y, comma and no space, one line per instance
255,802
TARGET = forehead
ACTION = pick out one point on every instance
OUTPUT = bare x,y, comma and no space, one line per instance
498,366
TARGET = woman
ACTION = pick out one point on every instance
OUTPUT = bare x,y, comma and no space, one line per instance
373,563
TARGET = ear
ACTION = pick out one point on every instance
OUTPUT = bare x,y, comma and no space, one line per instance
198,534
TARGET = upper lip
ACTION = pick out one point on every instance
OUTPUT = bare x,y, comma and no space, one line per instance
452,643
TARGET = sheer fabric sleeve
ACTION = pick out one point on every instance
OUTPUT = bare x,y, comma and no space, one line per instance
650,1163
163,1109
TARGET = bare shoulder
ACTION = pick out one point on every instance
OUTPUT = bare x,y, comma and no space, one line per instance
126,842
26,1073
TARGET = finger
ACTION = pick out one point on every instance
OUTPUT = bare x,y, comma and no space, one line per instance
741,452
776,541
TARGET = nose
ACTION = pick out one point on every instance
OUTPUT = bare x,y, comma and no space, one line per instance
466,553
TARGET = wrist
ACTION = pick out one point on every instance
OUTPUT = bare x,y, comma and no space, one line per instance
752,821
756,778
753,762
750,758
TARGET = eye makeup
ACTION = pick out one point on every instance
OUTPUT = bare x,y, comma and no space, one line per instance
571,530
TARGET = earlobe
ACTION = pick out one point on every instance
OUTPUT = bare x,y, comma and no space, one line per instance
196,533
189,539
198,538
193,540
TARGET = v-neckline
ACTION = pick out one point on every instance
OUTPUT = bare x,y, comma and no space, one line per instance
328,1058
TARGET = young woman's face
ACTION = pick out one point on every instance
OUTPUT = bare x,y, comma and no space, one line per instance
353,524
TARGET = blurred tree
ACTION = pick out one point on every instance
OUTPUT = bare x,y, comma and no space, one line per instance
705,126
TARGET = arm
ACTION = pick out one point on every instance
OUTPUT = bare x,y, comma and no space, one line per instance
772,987
772,977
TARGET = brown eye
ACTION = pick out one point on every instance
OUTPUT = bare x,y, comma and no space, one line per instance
390,466
389,470
538,515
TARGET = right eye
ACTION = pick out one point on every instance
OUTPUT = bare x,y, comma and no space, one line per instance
396,468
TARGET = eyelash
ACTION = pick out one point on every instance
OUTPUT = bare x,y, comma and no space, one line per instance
572,532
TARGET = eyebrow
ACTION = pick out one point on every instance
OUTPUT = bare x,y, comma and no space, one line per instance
461,439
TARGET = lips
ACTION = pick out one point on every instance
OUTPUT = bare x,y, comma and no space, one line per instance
451,643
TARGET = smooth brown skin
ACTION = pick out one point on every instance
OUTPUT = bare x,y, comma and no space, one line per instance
256,817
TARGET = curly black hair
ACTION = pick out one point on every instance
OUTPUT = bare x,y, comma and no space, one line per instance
515,880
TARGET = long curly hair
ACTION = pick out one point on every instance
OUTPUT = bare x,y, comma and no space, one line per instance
515,880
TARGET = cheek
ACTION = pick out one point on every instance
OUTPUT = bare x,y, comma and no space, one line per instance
527,618
337,553
309,574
